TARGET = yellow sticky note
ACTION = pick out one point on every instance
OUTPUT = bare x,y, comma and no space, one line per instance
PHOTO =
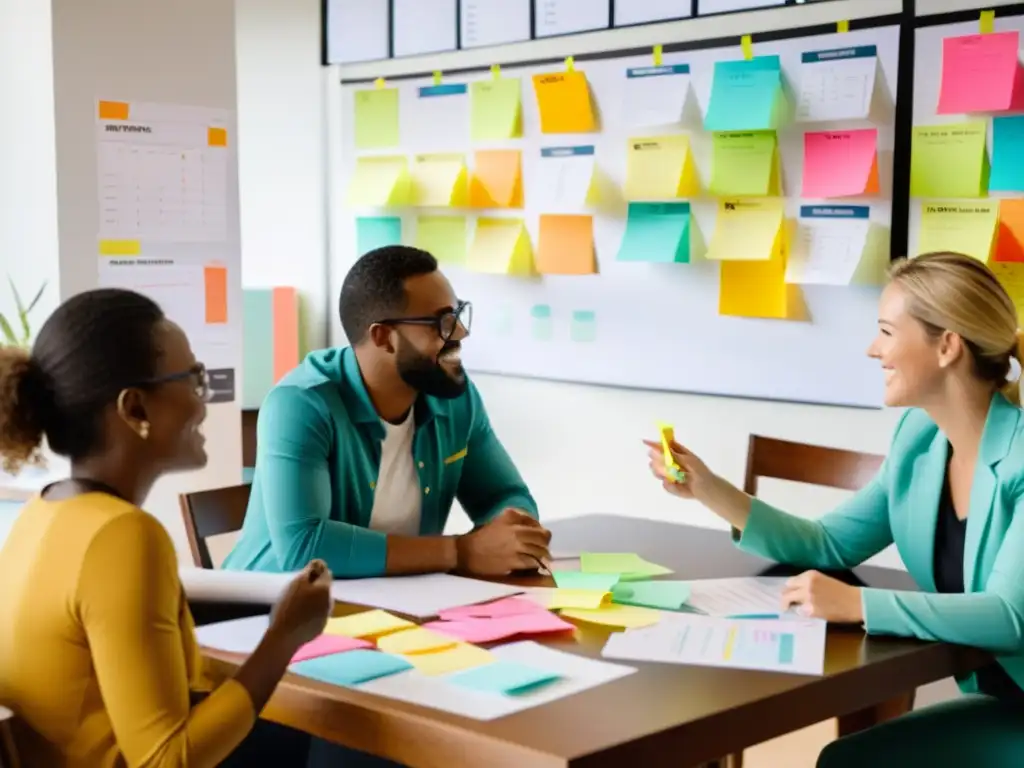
454,659
949,160
501,247
496,109
563,100
628,565
439,181
379,182
368,624
578,598
747,45
376,118
497,180
668,436
1011,275
968,228
756,289
747,229
120,248
445,237
615,615
660,167
414,640
745,163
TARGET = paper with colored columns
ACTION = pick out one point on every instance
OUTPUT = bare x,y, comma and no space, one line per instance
445,237
668,437
747,229
495,109
565,245
497,180
1010,238
837,245
376,118
366,624
501,247
746,95
539,622
380,182
968,228
981,73
664,595
841,163
374,232
660,167
564,103
1007,173
507,678
439,180
351,668
657,232
949,160
745,163
628,565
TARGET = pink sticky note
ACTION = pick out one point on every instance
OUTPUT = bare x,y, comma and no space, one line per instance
841,163
472,630
980,73
509,606
325,645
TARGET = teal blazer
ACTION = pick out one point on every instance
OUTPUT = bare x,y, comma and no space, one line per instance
318,446
901,505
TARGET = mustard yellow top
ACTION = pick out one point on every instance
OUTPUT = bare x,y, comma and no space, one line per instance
97,645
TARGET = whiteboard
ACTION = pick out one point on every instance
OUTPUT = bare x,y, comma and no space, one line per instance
657,325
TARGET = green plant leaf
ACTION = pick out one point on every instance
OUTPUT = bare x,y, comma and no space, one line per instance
26,329
35,300
8,333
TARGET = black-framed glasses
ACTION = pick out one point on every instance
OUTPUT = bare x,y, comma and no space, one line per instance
445,324
198,375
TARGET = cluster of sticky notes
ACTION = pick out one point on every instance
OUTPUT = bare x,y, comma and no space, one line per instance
660,167
841,163
657,232
564,102
499,620
949,160
746,95
837,245
962,227
981,73
745,163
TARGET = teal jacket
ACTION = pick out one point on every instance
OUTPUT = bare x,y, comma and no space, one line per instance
901,505
318,453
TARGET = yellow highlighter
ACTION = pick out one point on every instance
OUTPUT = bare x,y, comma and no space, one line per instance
667,437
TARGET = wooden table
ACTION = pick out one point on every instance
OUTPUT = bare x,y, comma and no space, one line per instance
664,715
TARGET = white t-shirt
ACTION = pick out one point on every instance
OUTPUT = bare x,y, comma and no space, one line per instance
396,500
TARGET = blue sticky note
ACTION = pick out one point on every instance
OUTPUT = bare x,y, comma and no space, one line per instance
602,582
351,667
584,326
669,595
377,231
657,232
746,95
1007,174
505,677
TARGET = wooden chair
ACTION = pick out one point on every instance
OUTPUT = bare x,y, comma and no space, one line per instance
211,513
8,755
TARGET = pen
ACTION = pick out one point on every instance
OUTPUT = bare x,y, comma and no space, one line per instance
542,569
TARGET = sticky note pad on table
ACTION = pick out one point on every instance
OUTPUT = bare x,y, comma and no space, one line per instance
837,245
656,232
1007,173
565,245
748,229
960,227
660,167
376,118
440,180
841,163
578,598
758,289
563,100
509,606
602,582
615,615
374,232
504,677
328,644
497,180
1010,236
380,182
501,247
495,109
745,163
628,565
980,73
352,668
446,237
667,595
746,95
949,160
367,624
458,657
540,622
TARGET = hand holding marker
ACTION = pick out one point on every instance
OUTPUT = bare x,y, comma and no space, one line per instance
667,438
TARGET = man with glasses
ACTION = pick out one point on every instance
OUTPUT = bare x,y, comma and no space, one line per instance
362,451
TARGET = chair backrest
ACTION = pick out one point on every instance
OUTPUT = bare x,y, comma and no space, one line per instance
8,754
805,463
211,513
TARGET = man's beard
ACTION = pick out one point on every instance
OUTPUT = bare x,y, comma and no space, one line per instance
427,375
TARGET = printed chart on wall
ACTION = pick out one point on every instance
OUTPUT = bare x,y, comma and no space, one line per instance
713,221
164,216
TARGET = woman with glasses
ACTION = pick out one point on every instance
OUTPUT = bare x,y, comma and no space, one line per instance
97,650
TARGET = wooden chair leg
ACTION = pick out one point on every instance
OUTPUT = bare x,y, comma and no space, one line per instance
880,713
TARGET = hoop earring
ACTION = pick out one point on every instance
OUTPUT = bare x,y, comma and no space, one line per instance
144,430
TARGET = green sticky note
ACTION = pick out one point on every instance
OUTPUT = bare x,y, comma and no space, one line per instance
746,95
745,164
445,237
495,109
668,595
584,326
351,667
504,677
542,324
629,566
949,160
376,118
601,582
377,231
657,232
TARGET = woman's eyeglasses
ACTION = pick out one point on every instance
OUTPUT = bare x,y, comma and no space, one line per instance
198,375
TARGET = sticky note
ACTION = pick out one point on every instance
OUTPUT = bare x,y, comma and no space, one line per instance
542,326
505,677
380,182
509,606
756,289
841,163
629,565
746,95
563,100
666,595
565,245
668,436
367,624
495,109
1010,236
460,656
120,248
656,232
501,247
497,180
215,285
980,73
1007,173
601,582
539,622
374,232
745,163
583,326
578,598
968,228
113,110
949,160
1011,277
439,180
615,615
444,237
660,167
414,640
352,668
376,118
328,644
216,137
747,229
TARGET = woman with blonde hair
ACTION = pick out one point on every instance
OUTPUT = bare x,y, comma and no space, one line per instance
950,495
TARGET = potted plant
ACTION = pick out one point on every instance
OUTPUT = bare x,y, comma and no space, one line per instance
23,336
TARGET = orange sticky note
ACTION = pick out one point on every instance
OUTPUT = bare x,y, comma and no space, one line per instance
497,180
841,163
981,73
113,110
563,100
1010,236
285,312
216,281
217,137
566,245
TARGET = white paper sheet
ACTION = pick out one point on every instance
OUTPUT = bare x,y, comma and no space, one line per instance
578,674
836,90
423,26
831,251
565,175
235,636
420,596
567,17
795,646
740,596
656,96
494,22
215,586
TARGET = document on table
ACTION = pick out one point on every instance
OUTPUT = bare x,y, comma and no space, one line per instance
235,636
420,596
207,585
775,645
759,595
